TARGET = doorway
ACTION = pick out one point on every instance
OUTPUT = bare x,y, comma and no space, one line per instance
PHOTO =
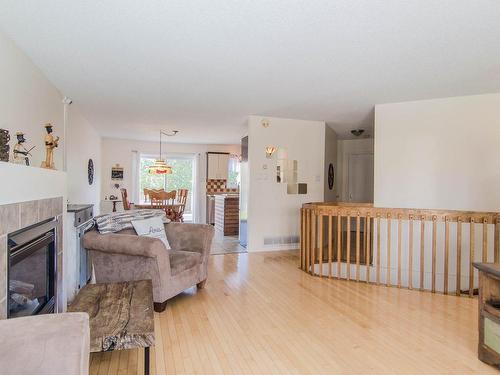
360,178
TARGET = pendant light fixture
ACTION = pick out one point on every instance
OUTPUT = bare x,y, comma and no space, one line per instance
159,166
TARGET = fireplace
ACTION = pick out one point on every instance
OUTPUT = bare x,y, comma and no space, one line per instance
31,272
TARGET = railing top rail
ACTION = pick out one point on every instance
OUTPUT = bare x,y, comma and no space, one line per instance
367,209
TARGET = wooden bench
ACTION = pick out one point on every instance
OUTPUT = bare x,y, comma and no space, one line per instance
121,316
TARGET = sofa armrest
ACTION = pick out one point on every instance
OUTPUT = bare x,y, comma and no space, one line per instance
126,244
45,344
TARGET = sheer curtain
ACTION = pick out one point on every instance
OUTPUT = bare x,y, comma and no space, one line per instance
134,190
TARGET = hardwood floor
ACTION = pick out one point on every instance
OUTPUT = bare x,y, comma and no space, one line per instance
259,314
226,245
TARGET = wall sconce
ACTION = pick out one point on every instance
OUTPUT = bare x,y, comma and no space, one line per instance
270,150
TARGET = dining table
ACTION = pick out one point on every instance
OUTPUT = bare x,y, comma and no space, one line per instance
173,207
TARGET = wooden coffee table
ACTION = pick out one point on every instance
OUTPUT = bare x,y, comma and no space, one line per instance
121,316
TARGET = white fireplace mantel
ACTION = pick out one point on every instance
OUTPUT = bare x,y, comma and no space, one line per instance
20,183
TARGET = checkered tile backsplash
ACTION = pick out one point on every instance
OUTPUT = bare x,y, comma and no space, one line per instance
219,186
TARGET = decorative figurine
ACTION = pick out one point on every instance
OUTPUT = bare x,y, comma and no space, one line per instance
51,143
4,145
20,153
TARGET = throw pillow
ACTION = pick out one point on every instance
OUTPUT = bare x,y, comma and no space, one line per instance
152,227
117,221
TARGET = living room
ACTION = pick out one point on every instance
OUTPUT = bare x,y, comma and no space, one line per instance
249,187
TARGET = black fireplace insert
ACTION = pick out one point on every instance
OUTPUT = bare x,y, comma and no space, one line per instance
32,270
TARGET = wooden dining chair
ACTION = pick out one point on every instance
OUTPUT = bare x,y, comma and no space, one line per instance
166,201
148,191
126,203
182,195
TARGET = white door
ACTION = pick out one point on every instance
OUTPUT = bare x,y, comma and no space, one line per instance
360,178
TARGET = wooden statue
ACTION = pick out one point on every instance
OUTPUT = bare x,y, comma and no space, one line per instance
20,153
51,143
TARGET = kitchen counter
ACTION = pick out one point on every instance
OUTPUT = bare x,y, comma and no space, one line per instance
227,214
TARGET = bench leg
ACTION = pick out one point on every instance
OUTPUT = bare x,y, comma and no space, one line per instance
201,284
146,360
160,306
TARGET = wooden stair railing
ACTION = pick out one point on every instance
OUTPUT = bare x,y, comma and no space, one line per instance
431,250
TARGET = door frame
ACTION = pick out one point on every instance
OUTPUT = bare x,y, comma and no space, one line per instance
195,204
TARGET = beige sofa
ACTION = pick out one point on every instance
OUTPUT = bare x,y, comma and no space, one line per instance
125,256
45,344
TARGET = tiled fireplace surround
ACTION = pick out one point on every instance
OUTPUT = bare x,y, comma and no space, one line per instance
17,216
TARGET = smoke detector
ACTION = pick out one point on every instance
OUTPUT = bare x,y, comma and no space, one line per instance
357,132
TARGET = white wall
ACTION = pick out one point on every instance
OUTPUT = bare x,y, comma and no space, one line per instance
330,157
83,143
27,101
440,153
123,152
271,211
345,148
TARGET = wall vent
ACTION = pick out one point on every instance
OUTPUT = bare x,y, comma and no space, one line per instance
281,240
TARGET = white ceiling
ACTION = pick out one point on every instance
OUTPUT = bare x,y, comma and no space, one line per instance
201,67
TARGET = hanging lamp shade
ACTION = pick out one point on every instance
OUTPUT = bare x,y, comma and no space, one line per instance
159,166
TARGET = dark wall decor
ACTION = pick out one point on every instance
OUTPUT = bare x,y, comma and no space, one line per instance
90,170
117,172
4,145
331,176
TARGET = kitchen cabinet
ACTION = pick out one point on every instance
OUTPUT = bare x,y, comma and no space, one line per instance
217,166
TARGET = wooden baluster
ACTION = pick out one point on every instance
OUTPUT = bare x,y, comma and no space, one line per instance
446,252
399,251
339,244
497,240
378,249
485,240
389,224
368,246
313,239
330,240
348,246
307,217
471,256
410,252
434,248
358,239
422,252
459,255
302,247
320,243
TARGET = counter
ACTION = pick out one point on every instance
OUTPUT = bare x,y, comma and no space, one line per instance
227,214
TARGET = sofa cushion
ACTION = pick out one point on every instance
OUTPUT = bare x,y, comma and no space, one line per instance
183,260
45,344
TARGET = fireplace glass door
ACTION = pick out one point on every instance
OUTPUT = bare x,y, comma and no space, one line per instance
31,274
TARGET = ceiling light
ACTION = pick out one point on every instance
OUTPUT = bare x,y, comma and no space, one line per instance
357,132
159,166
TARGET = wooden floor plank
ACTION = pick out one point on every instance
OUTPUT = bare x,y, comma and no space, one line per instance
259,314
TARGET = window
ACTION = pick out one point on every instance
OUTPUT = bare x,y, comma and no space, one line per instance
233,176
182,177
